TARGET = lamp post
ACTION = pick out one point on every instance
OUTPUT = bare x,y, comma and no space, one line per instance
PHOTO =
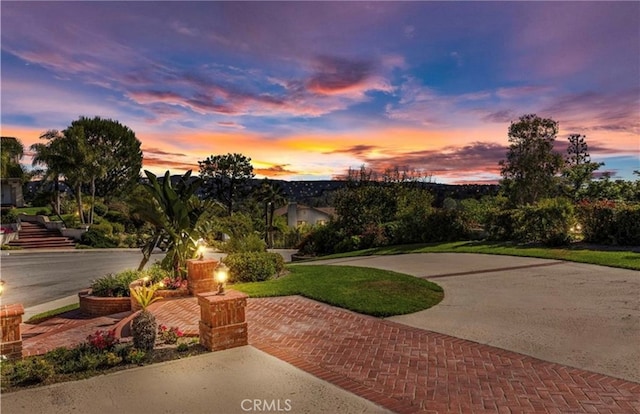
221,274
201,245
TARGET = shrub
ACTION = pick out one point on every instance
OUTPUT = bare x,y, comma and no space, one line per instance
182,347
100,209
608,222
156,273
322,239
103,227
253,266
249,243
135,356
115,285
445,225
71,220
169,335
96,238
28,371
549,222
102,340
143,328
8,215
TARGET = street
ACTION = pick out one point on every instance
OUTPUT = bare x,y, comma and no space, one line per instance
33,278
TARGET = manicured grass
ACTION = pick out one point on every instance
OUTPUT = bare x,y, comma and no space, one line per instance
626,259
33,210
369,291
50,314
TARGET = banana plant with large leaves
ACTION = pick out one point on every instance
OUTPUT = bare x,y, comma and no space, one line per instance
174,212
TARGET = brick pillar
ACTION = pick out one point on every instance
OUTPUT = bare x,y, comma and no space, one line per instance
222,320
10,320
200,276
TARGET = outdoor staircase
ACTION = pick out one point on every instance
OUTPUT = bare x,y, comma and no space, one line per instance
37,236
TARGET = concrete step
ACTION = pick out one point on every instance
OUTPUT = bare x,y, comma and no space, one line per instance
37,236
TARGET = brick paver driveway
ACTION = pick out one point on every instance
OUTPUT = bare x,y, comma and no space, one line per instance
410,370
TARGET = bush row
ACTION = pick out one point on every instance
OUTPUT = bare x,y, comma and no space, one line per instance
609,222
549,222
425,226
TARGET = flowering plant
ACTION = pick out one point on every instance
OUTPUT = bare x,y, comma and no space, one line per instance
169,335
102,340
174,283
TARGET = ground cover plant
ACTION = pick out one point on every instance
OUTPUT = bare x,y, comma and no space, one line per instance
625,258
364,290
101,353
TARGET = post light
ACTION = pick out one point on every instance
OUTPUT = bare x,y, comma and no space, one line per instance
1,287
201,245
145,280
221,274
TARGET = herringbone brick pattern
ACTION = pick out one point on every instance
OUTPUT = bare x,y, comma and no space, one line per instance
402,368
411,370
67,330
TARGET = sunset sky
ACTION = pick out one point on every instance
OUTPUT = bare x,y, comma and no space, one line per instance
309,89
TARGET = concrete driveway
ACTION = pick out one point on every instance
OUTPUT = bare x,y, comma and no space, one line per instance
580,315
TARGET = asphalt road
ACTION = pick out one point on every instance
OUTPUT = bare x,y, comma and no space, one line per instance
34,278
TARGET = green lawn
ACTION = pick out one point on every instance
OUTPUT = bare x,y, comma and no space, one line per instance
50,314
369,291
32,210
625,259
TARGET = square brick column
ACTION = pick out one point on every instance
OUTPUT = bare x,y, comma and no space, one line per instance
10,320
200,276
222,320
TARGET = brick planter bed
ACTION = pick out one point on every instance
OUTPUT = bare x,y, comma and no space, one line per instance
102,306
163,293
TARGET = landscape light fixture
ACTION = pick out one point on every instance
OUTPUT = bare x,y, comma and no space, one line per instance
221,274
1,287
201,245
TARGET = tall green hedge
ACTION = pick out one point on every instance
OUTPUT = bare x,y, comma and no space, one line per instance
609,222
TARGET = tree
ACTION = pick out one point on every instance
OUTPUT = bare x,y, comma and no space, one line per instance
272,195
11,152
174,212
101,153
113,156
530,170
65,154
578,168
226,177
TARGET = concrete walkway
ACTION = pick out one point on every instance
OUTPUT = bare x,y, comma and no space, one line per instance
576,314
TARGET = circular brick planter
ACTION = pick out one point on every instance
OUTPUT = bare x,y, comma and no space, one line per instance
99,306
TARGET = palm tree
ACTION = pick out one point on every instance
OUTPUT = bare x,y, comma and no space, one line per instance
273,196
44,155
174,212
66,154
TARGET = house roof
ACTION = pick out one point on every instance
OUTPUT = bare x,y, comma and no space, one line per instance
330,211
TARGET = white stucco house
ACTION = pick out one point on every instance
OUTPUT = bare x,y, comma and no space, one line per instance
299,214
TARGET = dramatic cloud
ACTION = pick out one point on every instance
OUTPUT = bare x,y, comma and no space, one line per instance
311,88
334,75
